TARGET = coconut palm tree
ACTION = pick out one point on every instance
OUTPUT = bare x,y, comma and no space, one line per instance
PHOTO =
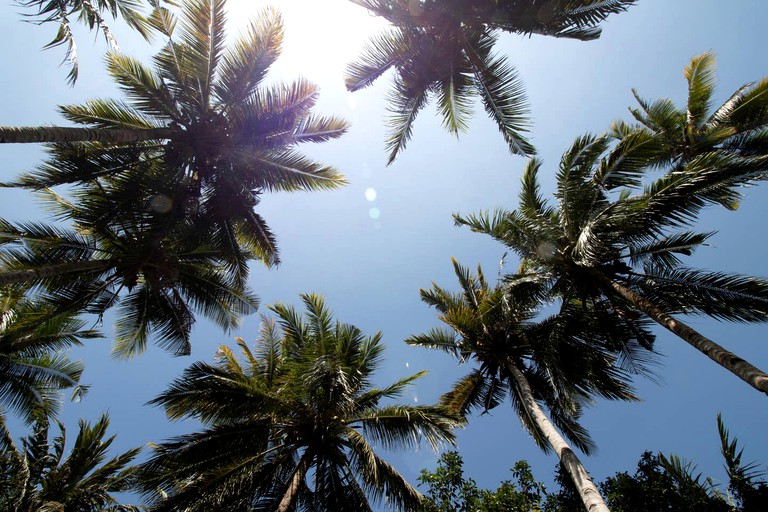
443,49
203,117
707,154
38,477
738,127
603,245
558,362
292,425
157,279
33,370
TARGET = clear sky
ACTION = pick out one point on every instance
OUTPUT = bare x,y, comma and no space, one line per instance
371,246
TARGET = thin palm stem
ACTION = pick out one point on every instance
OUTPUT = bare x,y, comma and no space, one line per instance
293,487
47,271
58,134
584,485
744,370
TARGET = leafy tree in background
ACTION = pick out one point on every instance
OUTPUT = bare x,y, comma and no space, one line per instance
618,253
443,49
659,484
559,362
449,491
662,483
33,369
292,425
90,13
39,477
747,484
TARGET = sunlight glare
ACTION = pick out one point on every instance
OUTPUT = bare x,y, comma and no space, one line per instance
321,38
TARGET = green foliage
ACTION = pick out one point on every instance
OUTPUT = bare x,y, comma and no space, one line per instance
662,483
157,281
221,136
565,358
747,483
614,241
449,491
33,367
659,484
39,477
299,409
738,128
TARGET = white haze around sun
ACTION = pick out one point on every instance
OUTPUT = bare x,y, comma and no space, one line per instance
321,37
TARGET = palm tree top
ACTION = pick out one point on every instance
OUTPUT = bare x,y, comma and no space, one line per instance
443,50
199,133
43,476
568,357
680,134
33,366
304,398
560,362
619,252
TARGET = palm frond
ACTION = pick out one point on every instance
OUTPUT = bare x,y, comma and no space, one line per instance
245,64
380,53
502,93
700,74
405,103
203,34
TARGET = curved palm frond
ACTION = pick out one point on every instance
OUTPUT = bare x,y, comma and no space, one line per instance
302,400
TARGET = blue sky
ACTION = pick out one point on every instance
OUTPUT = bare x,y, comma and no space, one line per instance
370,269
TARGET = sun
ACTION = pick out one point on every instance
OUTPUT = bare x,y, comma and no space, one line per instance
321,37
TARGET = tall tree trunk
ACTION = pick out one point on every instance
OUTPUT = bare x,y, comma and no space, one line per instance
581,479
750,374
47,271
293,487
25,134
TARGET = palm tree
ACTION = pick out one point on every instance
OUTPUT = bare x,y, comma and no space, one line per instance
559,362
621,251
166,277
90,13
203,118
291,425
32,368
747,482
738,127
706,154
38,477
444,49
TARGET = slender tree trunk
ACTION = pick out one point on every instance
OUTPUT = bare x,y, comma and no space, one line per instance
25,134
293,487
750,374
581,479
47,271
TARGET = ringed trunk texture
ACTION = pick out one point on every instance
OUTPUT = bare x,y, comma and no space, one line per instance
581,479
54,134
750,374
293,487
47,271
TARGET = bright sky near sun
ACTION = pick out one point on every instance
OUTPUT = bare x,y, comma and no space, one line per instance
370,247
321,37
